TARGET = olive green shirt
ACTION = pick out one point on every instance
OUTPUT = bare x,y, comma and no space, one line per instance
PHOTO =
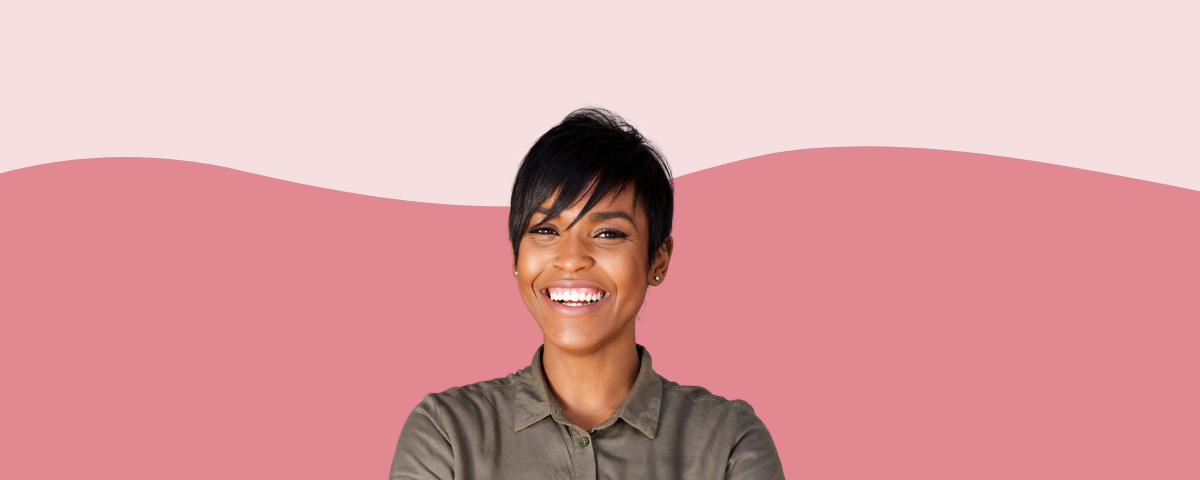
511,428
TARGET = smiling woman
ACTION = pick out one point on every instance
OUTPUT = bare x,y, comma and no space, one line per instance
590,226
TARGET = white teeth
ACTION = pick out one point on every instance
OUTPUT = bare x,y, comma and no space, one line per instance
574,296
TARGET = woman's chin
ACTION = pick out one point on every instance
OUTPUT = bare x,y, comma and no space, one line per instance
575,338
579,328
573,334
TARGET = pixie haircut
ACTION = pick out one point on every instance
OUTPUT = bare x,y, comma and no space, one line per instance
594,149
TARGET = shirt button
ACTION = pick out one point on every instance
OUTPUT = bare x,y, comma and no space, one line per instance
583,442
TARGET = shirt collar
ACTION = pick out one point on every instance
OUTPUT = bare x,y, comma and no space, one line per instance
640,408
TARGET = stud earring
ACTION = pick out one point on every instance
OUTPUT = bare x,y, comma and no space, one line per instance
657,279
514,274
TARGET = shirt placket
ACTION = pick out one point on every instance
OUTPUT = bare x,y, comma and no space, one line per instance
585,453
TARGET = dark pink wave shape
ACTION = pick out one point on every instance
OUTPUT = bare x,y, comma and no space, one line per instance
889,313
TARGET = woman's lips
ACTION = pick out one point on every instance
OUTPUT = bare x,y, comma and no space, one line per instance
574,301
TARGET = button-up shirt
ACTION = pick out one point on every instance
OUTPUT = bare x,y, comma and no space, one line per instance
511,427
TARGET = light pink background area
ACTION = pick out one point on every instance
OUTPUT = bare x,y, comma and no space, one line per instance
888,312
436,101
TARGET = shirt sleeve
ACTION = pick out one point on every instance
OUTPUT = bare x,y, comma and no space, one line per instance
424,451
753,455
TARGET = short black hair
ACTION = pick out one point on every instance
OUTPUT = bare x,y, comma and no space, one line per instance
592,147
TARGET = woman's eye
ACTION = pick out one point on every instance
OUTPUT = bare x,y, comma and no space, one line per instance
611,234
544,231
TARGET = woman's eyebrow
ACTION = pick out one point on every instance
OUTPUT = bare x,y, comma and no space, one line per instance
602,216
545,212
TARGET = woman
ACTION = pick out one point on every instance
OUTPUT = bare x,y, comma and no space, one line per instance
590,227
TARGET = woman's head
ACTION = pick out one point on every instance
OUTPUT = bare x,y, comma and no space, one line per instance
592,147
590,215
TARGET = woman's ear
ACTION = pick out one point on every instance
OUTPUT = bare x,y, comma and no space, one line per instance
662,259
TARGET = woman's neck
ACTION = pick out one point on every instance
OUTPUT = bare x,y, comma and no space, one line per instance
589,386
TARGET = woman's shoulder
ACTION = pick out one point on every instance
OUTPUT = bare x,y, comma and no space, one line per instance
695,408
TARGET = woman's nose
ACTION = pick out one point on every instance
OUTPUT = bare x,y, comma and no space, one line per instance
573,255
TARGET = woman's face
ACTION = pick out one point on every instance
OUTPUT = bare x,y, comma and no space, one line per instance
584,286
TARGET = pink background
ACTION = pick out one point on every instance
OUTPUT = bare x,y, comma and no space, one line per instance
903,313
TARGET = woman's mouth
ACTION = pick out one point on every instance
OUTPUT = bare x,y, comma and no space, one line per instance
575,297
